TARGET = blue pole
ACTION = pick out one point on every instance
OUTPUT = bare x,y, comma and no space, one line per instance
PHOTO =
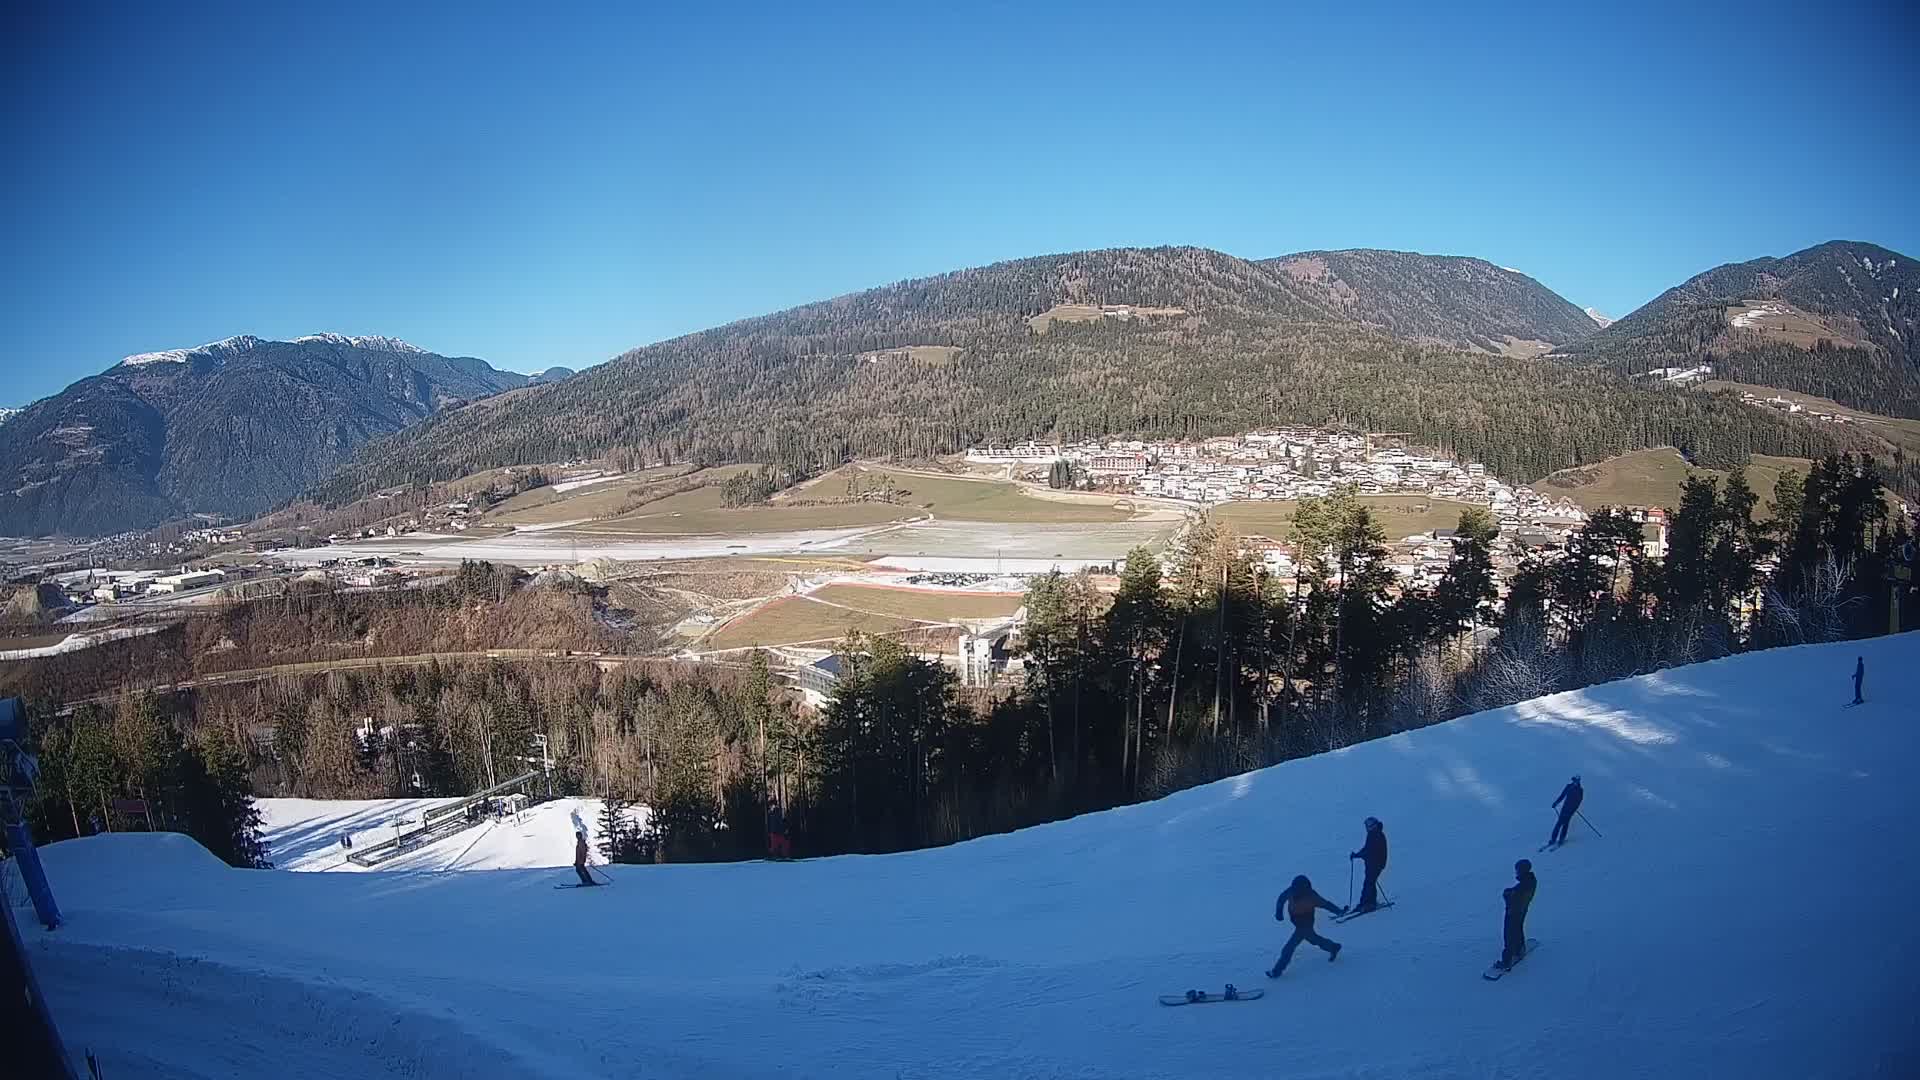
20,842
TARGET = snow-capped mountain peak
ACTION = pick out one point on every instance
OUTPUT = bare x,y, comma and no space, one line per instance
1594,314
376,342
8,414
216,350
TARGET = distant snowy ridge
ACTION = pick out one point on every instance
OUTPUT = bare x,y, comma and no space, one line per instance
375,342
233,346
8,414
217,350
1594,314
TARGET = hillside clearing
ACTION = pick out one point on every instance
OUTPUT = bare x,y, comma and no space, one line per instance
793,620
1654,478
932,605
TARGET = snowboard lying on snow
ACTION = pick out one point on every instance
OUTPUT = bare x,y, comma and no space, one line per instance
1204,997
1496,972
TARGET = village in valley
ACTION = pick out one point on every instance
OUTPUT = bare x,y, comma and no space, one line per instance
1271,468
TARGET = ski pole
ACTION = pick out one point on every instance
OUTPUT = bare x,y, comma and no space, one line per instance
1349,882
1583,817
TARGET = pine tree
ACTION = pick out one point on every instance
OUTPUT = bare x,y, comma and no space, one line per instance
614,828
218,802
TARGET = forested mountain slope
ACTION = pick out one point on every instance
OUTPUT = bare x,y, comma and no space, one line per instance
1839,320
1165,341
228,428
1439,299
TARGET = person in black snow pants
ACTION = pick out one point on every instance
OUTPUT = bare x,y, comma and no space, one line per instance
1859,676
1518,897
1373,855
1298,903
1569,804
580,857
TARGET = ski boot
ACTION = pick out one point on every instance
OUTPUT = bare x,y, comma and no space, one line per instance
1232,994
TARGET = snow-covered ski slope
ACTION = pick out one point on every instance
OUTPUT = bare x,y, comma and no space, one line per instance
304,834
1747,914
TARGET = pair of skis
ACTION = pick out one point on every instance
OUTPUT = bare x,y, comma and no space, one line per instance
1357,912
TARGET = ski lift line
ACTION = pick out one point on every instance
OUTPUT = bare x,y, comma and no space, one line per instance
440,813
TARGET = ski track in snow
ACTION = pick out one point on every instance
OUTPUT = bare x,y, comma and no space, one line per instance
1745,914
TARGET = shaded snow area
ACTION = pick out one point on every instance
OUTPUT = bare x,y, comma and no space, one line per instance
1747,914
304,834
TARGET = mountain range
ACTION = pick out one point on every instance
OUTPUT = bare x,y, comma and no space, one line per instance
1462,354
1841,320
1174,341
229,428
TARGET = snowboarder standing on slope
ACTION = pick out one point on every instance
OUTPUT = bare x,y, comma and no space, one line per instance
580,852
1518,897
1859,676
1297,903
1373,854
1569,805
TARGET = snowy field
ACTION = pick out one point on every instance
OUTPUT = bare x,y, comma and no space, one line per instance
1746,914
304,834
944,545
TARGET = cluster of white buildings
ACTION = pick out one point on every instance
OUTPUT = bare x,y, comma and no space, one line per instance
1297,463
1794,408
111,586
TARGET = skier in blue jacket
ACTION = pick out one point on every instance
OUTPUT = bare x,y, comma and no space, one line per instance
1298,903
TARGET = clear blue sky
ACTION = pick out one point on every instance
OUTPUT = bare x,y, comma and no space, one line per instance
537,189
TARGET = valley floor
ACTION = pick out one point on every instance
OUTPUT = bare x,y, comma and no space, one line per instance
1745,914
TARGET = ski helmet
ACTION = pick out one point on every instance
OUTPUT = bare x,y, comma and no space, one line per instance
1300,882
1576,778
1524,866
1372,823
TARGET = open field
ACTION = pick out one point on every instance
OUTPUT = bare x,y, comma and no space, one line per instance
1896,431
1653,478
791,620
1399,515
935,605
700,511
544,506
954,498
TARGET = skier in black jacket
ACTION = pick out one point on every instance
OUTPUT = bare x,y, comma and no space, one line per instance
1569,805
1373,855
1518,897
580,854
1298,903
1859,676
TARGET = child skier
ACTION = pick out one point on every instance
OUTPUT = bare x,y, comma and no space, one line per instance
1373,854
1298,903
1517,896
1569,805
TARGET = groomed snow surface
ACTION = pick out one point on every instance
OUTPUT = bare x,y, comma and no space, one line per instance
1747,914
305,834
